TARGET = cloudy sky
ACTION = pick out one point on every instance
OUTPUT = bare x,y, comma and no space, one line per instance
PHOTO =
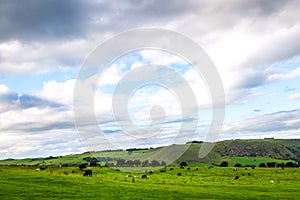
254,44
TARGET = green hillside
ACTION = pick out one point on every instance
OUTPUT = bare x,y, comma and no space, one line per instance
245,152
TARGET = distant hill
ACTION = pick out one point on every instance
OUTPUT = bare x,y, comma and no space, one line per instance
233,151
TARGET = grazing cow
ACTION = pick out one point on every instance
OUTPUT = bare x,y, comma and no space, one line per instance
253,167
179,174
144,176
181,167
171,168
151,172
243,174
272,182
246,168
236,178
88,172
210,167
196,169
37,169
234,169
73,171
249,174
188,168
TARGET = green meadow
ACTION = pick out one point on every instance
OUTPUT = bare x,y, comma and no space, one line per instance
25,182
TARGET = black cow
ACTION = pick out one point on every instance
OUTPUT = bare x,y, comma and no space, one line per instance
88,172
179,174
144,176
237,177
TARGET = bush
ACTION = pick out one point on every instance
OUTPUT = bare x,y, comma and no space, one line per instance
224,164
262,165
291,164
280,165
183,164
271,164
237,165
82,166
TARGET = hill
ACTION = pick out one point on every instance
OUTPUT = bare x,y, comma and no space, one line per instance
245,152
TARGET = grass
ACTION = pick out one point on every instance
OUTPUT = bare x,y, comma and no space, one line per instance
107,183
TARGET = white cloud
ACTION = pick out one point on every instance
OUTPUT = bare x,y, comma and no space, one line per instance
60,92
294,96
285,75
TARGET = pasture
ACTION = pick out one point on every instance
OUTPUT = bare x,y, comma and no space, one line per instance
107,183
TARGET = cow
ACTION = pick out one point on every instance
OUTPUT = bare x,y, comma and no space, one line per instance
171,168
144,176
179,174
88,172
196,169
181,167
236,178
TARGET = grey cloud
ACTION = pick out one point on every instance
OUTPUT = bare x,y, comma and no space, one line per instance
43,20
33,19
13,100
273,122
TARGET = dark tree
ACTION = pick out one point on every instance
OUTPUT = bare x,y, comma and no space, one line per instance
93,163
155,163
237,165
145,163
129,163
163,163
137,163
290,164
271,164
262,165
82,166
224,164
121,163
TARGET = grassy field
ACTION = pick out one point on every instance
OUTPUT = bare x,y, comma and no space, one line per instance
108,183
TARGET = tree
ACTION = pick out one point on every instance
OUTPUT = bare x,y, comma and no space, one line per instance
121,163
82,166
145,163
290,164
93,163
129,163
271,164
183,164
237,165
262,165
163,163
137,163
224,164
155,163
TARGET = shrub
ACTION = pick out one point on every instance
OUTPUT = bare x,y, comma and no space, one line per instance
183,164
82,166
280,165
290,164
271,164
224,164
237,165
262,165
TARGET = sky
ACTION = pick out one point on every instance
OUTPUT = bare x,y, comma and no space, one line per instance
254,45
